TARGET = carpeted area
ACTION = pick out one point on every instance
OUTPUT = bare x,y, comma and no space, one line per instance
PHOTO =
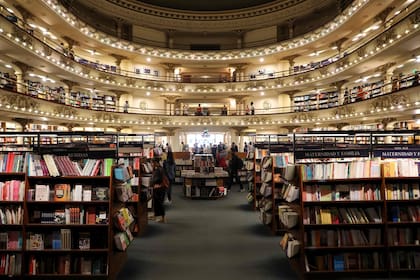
207,239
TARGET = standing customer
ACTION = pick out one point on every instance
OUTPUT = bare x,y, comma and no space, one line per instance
235,164
159,191
126,106
169,167
252,108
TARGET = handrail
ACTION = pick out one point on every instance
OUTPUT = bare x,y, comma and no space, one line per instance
262,77
386,88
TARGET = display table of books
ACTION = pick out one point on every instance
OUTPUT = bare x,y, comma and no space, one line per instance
205,185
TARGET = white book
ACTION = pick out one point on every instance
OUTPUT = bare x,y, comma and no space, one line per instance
77,193
42,192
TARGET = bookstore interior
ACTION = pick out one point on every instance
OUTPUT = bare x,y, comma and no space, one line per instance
322,99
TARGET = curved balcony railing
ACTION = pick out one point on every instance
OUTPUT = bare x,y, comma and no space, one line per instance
29,34
90,103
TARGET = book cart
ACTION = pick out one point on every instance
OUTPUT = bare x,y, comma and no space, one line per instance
358,208
56,214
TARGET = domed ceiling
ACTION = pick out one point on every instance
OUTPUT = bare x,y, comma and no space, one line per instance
214,5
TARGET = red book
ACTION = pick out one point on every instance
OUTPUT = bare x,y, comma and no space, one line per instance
10,159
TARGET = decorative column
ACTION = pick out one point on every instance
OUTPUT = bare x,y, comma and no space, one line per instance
20,73
170,70
240,38
291,60
339,86
291,27
239,72
387,71
118,94
69,86
172,141
338,44
23,123
291,93
169,38
290,128
118,59
69,126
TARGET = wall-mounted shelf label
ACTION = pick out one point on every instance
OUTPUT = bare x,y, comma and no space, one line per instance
331,154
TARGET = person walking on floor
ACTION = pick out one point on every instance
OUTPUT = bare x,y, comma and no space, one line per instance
169,168
159,191
235,164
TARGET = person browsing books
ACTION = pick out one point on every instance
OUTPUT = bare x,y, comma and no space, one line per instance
159,191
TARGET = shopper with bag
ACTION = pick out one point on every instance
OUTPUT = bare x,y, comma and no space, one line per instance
158,183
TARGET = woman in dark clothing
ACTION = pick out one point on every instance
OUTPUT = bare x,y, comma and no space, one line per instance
169,167
159,191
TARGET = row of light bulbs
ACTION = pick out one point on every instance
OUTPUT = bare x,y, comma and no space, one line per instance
192,123
103,38
221,90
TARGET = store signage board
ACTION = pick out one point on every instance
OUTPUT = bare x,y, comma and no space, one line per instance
331,154
398,152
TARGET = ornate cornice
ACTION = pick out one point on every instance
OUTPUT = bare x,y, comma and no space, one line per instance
269,14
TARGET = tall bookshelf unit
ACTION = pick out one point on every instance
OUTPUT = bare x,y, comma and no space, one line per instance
358,211
58,225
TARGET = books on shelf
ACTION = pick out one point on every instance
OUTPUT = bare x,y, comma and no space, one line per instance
333,215
13,162
10,264
401,168
12,190
42,192
341,192
53,165
402,191
11,240
11,215
288,217
341,170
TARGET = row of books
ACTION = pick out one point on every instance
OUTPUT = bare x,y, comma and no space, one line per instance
71,215
10,264
341,170
288,216
401,168
341,192
12,190
11,240
333,215
147,167
62,239
290,245
52,165
13,162
288,192
67,265
57,240
282,160
123,219
123,239
400,191
404,213
404,236
67,192
405,260
11,215
344,262
343,237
